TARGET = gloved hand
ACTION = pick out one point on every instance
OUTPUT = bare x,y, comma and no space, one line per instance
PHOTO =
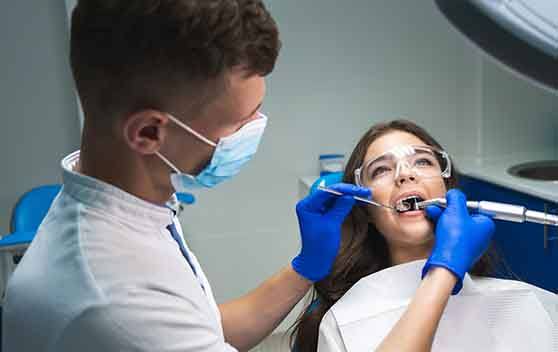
460,238
320,216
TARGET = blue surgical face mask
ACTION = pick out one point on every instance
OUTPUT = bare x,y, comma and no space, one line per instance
231,153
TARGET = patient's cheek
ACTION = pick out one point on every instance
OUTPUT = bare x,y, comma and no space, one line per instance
437,189
385,221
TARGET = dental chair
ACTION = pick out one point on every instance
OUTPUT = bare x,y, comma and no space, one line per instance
27,215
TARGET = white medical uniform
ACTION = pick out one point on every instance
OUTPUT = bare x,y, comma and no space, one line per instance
487,315
104,274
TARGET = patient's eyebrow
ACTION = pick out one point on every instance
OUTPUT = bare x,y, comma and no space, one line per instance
428,152
380,158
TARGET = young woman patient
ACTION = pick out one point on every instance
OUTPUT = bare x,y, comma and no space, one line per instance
375,297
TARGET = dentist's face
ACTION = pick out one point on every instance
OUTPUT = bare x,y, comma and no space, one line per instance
238,104
403,231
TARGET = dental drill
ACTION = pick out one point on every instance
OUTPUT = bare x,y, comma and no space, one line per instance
497,211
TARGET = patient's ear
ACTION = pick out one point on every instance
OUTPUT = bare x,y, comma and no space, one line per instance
145,131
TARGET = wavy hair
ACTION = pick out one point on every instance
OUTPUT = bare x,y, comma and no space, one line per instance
363,248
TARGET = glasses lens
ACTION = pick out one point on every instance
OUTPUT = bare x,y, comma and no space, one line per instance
417,160
380,170
427,163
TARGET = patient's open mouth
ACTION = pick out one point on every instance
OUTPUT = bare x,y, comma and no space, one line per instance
408,204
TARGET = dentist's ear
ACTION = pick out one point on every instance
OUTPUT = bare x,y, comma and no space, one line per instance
144,131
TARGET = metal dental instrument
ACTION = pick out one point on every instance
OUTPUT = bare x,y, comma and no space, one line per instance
360,199
499,211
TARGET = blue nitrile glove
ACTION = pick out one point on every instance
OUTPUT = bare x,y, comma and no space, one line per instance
460,238
320,216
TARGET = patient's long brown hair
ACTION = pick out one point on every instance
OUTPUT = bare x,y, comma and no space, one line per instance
363,249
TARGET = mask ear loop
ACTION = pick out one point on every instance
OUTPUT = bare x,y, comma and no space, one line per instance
189,129
169,164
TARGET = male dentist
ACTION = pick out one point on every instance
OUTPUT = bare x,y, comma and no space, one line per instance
172,92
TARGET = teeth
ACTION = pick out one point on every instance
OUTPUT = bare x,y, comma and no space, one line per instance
413,197
408,203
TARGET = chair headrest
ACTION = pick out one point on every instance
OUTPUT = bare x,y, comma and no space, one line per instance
32,207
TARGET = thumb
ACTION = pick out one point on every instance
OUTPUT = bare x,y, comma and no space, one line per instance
484,224
457,202
434,212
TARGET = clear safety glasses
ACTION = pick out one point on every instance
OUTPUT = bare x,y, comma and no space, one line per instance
420,161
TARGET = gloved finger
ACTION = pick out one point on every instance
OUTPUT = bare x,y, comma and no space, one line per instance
485,223
457,202
350,189
342,207
315,202
434,212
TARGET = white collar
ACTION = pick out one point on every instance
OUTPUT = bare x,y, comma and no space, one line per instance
385,290
110,199
403,280
508,316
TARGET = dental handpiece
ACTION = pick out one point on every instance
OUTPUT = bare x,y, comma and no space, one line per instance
499,211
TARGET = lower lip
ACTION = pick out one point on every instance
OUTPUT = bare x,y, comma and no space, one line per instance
412,214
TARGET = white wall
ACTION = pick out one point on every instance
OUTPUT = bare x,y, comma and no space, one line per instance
504,115
39,116
517,117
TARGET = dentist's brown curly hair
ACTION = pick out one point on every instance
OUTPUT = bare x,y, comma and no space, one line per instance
127,55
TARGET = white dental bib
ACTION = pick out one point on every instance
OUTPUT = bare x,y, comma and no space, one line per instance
487,314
